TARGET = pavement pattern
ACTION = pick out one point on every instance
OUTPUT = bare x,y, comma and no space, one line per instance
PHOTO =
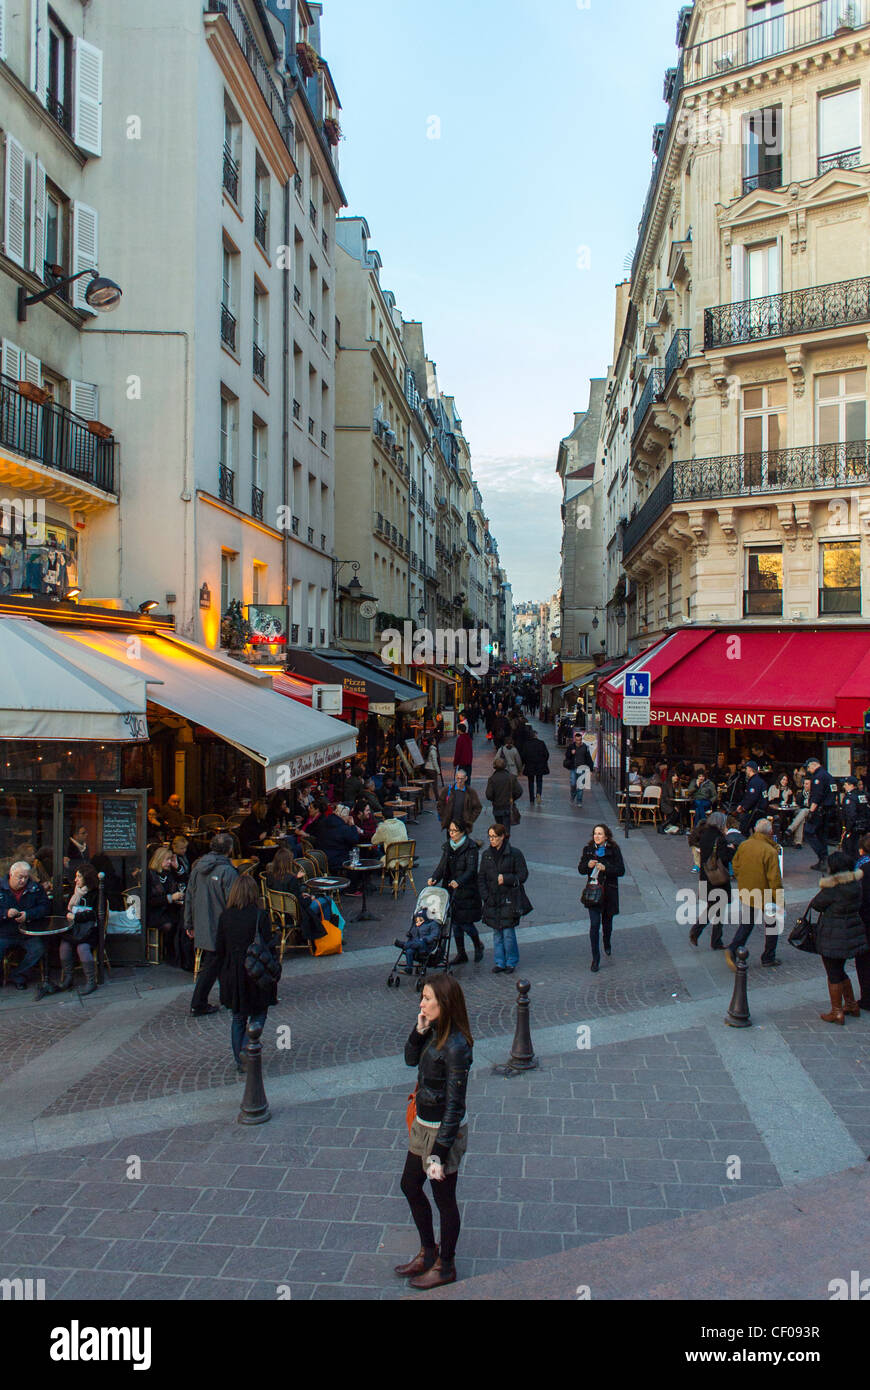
123,1173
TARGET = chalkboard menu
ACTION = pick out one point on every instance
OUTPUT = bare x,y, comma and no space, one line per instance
120,834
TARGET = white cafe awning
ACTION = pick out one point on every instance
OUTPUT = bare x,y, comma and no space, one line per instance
51,689
235,702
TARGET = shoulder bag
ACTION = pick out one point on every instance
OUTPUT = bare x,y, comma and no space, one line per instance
803,934
715,872
515,814
593,893
261,962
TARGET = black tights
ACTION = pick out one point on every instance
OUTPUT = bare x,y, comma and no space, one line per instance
835,970
444,1192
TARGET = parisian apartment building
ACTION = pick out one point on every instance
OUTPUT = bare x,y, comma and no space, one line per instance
735,416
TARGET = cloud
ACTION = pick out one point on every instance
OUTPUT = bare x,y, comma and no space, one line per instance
521,497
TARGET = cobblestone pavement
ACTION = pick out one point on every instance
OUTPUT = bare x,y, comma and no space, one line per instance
666,1112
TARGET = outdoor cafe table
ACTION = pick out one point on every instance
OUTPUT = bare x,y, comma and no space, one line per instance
400,808
58,926
332,887
364,869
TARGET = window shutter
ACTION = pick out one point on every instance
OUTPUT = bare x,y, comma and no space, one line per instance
13,229
84,400
39,48
10,360
32,369
738,262
3,30
88,96
37,216
84,251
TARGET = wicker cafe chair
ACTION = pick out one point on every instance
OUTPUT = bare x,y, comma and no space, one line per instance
284,916
398,863
319,859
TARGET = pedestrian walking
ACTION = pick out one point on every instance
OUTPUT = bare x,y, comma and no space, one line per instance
840,933
511,755
211,879
856,817
759,886
602,863
578,761
501,876
503,789
463,752
457,871
536,759
441,1048
823,796
247,996
715,878
459,803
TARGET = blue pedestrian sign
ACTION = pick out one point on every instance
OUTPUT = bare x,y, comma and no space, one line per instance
637,684
867,721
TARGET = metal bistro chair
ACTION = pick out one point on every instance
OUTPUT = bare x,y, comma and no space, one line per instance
650,805
319,859
308,867
211,823
398,863
632,805
284,916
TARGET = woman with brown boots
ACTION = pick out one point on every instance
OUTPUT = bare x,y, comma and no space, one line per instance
840,932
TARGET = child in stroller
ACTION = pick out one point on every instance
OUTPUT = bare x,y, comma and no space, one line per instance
420,941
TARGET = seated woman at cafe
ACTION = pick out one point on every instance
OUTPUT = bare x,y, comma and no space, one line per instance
282,876
165,900
278,813
83,933
254,829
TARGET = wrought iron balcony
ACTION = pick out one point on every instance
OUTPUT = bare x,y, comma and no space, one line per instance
294,525
311,424
846,159
259,363
768,178
780,315
231,174
256,503
294,632
322,541
297,295
323,439
261,225
679,350
247,42
53,436
226,484
297,184
844,600
758,43
228,328
311,535
58,111
297,410
311,637
655,385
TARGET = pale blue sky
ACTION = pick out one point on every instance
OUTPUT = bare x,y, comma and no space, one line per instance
545,147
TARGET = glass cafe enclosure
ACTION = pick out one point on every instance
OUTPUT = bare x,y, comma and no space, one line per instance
58,797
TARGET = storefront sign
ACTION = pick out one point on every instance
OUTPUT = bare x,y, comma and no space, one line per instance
354,687
308,764
385,709
773,721
269,622
119,833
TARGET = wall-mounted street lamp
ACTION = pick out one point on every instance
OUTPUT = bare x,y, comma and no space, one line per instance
101,294
354,588
148,606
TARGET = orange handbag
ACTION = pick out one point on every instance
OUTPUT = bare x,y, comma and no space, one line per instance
411,1112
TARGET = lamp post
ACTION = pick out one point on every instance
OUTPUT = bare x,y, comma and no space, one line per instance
354,589
101,294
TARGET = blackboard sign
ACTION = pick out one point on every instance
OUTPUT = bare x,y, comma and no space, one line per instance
120,826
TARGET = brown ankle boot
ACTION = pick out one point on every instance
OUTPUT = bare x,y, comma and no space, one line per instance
850,1005
442,1272
836,1015
420,1263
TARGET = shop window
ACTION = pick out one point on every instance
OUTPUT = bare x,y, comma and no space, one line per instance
839,577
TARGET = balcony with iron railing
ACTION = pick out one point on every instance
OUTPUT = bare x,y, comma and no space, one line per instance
770,38
652,391
231,174
837,305
226,484
257,499
765,178
250,49
297,410
294,632
60,113
311,535
294,525
52,436
809,468
259,363
677,353
228,328
261,225
846,159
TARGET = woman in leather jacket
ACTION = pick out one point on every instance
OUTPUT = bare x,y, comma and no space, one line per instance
440,1047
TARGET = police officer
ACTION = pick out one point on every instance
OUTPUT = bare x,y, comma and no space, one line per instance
856,817
754,798
823,795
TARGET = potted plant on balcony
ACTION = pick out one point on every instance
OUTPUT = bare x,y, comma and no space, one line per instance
31,392
846,20
332,130
99,429
307,58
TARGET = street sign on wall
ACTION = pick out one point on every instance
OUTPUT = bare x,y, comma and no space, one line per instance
636,700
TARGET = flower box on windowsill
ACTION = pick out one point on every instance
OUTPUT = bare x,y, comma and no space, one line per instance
332,130
307,59
100,430
32,392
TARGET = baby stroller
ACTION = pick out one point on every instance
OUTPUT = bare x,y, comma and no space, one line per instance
436,901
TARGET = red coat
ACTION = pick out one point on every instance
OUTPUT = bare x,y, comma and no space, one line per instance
463,754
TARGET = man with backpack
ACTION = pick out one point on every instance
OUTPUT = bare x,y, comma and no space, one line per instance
579,763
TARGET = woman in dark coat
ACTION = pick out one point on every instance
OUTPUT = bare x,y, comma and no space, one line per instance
239,923
840,932
500,878
254,829
602,858
714,896
862,962
457,871
81,914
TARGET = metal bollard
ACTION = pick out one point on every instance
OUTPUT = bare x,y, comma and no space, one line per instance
255,1107
738,1010
522,1056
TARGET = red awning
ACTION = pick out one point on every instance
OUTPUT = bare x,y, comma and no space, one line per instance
555,676
657,659
299,688
779,681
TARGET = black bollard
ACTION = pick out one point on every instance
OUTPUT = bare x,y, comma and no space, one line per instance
738,1010
522,1056
255,1107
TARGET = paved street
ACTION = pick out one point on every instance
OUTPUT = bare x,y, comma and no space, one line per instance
640,1129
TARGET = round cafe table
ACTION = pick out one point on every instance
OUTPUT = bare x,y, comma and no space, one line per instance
364,869
57,926
332,887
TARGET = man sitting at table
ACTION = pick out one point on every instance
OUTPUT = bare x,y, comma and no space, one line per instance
171,814
336,835
23,904
390,832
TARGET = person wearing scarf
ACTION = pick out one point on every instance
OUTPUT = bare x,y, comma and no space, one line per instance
457,872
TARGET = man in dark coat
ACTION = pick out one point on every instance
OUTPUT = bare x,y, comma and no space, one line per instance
536,761
211,879
502,789
823,795
459,803
754,799
336,836
23,903
578,761
856,817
